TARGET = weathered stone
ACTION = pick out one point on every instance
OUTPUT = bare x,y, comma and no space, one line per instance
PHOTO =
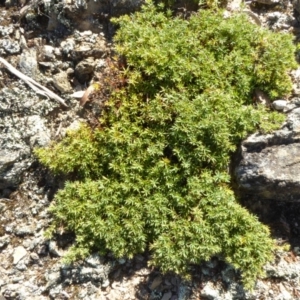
6,30
28,63
94,260
269,164
34,256
61,82
47,53
52,278
67,46
24,230
284,269
10,168
84,69
10,46
273,172
87,49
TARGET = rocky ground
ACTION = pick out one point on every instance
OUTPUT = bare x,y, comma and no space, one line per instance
66,46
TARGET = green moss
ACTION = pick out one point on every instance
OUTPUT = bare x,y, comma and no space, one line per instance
155,173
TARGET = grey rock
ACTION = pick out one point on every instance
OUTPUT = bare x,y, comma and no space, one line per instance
94,260
34,256
10,46
279,21
38,132
29,244
84,69
61,82
122,261
228,275
4,241
273,172
11,168
21,266
91,289
6,30
53,249
212,263
95,49
296,250
184,290
19,253
67,46
269,164
55,292
19,213
12,291
100,65
53,278
295,74
23,128
284,270
24,230
47,53
28,63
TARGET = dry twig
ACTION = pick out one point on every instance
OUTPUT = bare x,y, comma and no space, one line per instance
38,88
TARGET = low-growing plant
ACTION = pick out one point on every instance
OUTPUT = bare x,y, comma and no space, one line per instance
154,174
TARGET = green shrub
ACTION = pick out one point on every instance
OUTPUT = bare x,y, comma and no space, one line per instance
154,174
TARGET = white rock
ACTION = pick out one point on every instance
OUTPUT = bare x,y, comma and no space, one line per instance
210,292
105,284
279,104
48,51
86,33
78,94
18,254
53,249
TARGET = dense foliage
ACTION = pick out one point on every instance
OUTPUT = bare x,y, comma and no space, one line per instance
154,174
